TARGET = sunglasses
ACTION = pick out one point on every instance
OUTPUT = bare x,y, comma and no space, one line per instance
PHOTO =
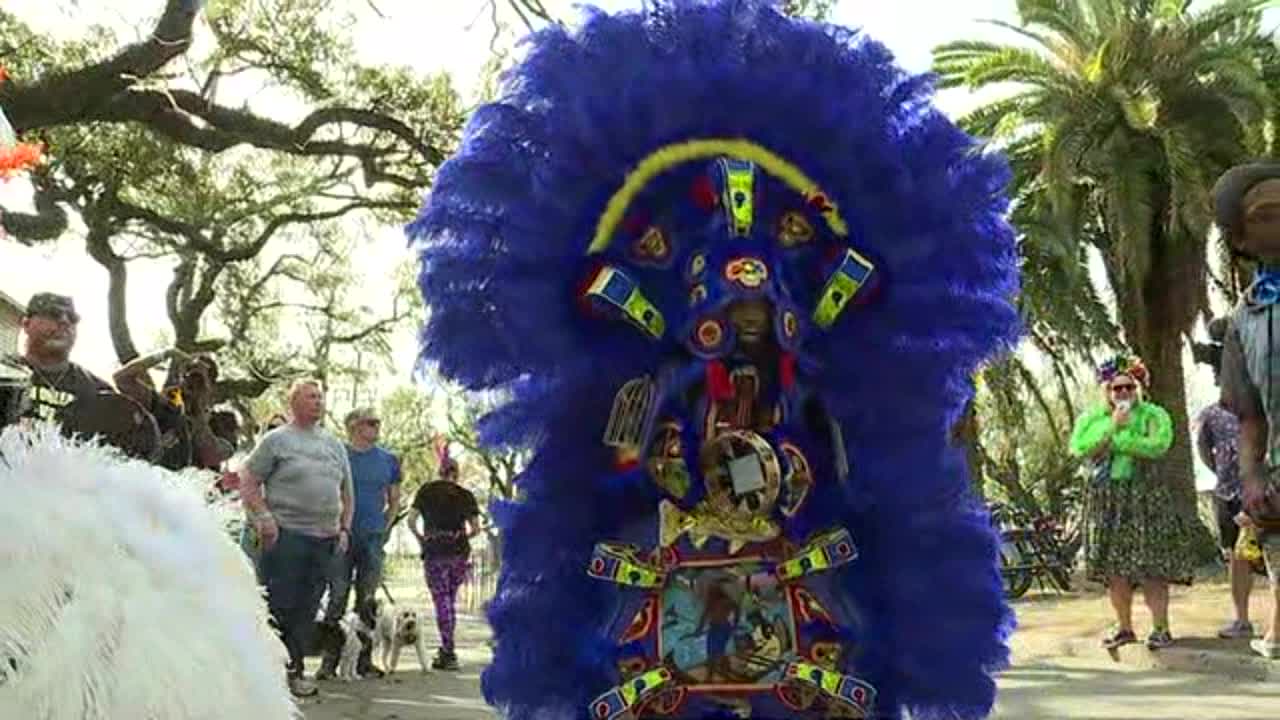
1126,387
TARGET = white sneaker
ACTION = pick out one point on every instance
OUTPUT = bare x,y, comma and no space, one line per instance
1269,649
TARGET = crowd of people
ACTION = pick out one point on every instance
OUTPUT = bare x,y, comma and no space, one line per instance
319,509
319,515
176,427
1134,537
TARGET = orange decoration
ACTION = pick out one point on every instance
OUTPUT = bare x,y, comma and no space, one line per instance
18,158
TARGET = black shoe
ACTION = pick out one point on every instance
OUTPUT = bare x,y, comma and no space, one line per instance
445,661
328,668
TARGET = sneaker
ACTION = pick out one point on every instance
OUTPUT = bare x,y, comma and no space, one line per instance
1269,649
1158,639
1117,637
301,687
1238,630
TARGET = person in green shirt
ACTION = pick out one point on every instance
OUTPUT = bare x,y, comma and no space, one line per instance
1134,534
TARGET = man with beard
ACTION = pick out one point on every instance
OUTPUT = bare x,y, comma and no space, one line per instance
50,326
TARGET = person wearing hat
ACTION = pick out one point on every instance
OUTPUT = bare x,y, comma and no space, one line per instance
1247,208
50,324
375,480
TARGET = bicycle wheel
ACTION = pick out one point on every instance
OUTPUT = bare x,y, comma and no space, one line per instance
1013,569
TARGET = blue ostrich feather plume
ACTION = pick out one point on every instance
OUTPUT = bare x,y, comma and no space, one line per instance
504,239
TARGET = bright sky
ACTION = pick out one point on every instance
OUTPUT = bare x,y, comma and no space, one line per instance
452,35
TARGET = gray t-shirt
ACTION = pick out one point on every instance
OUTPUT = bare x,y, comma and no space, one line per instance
304,472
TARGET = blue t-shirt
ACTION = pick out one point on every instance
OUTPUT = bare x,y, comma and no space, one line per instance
372,472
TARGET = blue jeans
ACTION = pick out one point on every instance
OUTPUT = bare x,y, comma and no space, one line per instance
295,570
249,544
364,560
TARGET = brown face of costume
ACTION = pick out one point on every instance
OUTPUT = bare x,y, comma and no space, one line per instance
752,321
1260,225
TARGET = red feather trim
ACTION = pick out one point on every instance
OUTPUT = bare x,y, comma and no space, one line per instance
787,371
719,388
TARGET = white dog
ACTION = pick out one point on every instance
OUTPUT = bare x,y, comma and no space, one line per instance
396,630
354,634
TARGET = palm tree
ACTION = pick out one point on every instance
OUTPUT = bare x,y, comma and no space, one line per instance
1121,114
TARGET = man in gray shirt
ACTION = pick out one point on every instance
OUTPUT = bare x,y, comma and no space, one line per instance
303,518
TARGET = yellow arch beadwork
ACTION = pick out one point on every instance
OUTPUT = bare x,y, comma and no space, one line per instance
669,156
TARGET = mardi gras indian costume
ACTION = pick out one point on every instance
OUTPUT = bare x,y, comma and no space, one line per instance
733,274
122,596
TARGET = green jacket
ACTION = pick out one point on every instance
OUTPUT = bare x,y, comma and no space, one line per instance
1147,436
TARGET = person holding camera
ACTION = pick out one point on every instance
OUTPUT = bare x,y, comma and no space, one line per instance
1247,204
182,411
1133,534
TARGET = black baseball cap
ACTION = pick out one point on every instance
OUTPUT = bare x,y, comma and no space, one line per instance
52,305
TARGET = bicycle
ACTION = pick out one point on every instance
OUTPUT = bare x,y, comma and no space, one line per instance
1034,549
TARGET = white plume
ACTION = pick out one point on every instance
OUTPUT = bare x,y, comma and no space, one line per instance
123,596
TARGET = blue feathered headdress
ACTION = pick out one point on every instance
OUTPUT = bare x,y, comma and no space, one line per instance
602,182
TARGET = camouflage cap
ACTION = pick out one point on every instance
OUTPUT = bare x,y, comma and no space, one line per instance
53,305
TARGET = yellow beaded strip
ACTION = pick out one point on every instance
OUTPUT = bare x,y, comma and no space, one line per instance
669,156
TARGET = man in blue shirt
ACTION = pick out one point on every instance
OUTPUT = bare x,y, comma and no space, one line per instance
375,475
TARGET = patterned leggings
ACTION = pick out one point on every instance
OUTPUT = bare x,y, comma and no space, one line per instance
444,576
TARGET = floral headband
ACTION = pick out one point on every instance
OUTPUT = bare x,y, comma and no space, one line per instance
1130,365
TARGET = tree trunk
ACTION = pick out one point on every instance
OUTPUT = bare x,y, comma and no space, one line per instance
98,244
1163,355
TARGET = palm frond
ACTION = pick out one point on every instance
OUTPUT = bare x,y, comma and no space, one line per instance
986,121
1129,208
1063,17
1018,65
1105,15
1241,16
1240,84
1189,189
1169,9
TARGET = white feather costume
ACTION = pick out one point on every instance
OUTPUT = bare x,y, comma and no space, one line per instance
122,596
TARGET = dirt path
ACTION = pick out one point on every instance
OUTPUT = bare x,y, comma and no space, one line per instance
1058,674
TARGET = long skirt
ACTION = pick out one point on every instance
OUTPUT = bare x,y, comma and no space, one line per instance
1134,530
